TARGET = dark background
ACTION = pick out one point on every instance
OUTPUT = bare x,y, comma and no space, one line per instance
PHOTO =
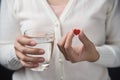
6,74
114,73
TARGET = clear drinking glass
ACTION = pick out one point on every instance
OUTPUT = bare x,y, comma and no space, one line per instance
44,37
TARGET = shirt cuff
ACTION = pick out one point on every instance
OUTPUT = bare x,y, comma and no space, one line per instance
9,58
107,56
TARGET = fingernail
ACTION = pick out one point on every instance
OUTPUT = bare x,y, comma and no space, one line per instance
41,59
32,42
41,51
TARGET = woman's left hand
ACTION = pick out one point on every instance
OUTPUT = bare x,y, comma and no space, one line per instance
84,52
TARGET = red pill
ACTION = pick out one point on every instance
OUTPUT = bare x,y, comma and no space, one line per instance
76,31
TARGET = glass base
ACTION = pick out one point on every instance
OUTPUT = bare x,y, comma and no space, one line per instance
41,67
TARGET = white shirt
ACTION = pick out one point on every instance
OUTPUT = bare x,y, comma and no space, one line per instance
99,19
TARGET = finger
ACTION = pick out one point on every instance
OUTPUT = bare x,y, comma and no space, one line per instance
69,39
61,44
28,49
29,64
64,53
25,41
83,38
68,43
29,58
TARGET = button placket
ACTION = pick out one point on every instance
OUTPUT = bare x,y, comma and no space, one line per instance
60,60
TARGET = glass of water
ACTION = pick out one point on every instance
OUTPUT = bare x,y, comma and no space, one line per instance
44,37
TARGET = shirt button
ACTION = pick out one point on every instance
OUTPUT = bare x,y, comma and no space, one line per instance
60,60
55,23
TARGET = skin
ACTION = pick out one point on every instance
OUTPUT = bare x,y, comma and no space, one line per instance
57,2
22,51
73,53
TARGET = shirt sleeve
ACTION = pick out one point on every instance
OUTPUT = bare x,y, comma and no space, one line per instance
9,29
110,52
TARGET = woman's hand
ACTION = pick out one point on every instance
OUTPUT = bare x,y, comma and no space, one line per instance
22,51
84,52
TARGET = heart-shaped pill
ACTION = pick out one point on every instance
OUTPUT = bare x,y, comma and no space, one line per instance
76,31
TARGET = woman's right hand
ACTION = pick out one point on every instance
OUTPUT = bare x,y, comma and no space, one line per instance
22,51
